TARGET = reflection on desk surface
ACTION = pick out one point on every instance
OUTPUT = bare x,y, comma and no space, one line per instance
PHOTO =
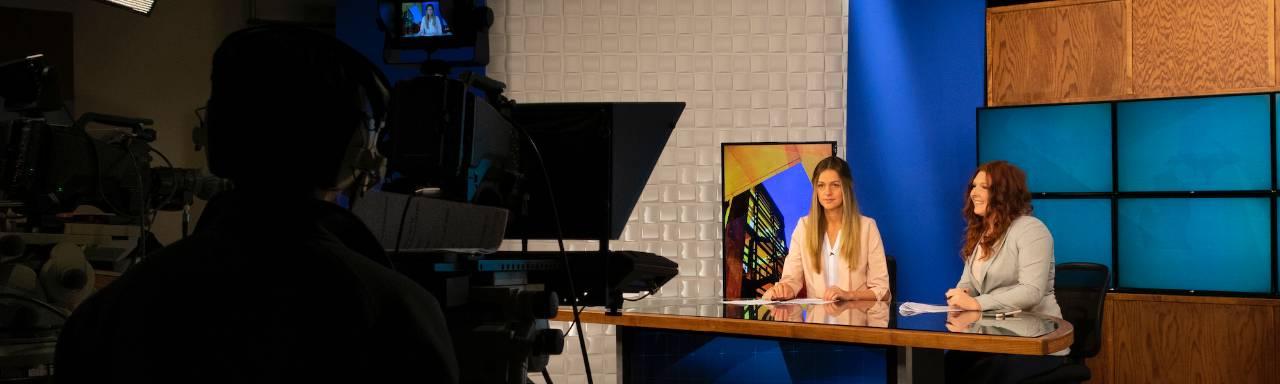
977,322
851,313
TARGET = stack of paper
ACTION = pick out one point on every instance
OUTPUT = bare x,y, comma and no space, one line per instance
912,309
749,302
764,302
807,301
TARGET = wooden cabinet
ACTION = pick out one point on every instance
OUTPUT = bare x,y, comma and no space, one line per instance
1181,339
1192,47
1088,50
1056,53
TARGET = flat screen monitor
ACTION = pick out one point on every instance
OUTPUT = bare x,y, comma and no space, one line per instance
1081,229
1195,144
1203,244
1064,148
766,190
426,19
434,25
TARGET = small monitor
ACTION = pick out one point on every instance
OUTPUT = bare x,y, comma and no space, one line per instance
426,19
435,24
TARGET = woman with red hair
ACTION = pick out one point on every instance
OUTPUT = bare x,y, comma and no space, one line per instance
1008,266
1008,254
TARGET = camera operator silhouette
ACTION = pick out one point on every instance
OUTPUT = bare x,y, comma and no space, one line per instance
275,284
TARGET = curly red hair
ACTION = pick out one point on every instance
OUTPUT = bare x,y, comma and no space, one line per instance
1008,199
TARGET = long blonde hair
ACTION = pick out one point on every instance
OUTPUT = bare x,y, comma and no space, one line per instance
817,221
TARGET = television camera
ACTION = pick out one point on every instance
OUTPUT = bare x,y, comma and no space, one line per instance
463,159
51,174
70,203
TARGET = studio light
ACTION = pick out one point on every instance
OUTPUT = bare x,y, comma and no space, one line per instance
139,6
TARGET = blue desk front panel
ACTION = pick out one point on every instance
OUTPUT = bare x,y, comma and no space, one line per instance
662,356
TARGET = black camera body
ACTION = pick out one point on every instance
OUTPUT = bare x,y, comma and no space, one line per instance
48,170
448,146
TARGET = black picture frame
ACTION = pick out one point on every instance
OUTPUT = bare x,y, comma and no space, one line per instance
724,266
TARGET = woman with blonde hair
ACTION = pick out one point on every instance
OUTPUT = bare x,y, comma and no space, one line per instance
836,253
430,25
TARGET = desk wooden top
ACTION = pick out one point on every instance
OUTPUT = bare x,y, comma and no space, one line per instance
1056,340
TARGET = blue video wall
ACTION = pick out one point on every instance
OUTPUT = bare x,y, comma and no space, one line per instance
1173,195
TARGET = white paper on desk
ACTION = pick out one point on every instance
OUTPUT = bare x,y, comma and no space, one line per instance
748,302
807,301
912,308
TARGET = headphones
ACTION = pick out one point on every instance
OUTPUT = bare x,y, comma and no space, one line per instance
362,165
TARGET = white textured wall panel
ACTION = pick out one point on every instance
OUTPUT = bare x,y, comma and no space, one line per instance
757,70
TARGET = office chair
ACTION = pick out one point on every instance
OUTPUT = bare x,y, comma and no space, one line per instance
1081,289
891,264
891,354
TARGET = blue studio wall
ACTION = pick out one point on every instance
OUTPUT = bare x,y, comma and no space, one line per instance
916,72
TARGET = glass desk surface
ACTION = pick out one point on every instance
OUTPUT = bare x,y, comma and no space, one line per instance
854,314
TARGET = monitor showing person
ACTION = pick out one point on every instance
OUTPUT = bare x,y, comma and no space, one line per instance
424,19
